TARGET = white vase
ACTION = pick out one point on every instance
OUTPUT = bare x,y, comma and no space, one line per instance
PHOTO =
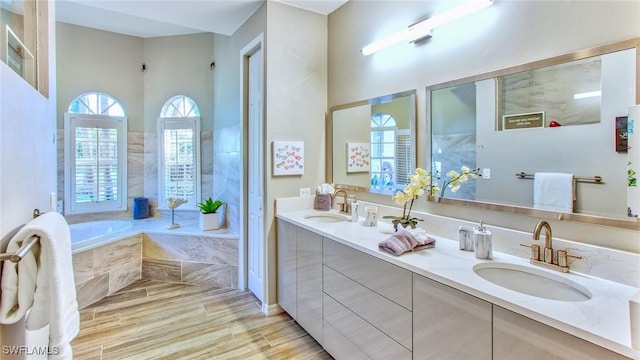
209,221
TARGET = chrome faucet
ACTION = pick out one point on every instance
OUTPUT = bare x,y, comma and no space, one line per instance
345,207
546,258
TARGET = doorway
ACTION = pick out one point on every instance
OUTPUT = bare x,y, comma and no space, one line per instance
254,178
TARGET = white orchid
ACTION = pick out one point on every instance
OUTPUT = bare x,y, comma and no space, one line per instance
419,184
459,178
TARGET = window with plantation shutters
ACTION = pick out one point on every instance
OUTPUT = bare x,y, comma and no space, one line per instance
179,152
403,156
95,155
383,153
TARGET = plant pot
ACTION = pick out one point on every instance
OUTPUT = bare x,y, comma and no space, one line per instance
209,221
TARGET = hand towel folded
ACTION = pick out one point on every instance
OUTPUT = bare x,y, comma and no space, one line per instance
553,191
407,240
53,300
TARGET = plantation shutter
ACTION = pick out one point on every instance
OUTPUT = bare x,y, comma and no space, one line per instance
179,159
403,156
95,164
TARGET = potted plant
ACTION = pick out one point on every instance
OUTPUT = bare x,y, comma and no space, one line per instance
209,218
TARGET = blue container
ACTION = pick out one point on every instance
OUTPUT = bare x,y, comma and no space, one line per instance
140,208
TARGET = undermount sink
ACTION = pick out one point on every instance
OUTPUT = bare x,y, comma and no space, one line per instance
325,217
531,281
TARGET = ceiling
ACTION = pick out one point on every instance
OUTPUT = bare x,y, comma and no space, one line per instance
153,18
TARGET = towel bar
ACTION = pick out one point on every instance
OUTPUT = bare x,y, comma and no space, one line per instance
24,249
596,179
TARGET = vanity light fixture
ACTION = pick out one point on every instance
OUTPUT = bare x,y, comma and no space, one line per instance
423,29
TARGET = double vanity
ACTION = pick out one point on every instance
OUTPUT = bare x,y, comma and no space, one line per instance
359,302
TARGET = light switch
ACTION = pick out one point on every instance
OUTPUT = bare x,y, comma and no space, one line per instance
305,192
486,173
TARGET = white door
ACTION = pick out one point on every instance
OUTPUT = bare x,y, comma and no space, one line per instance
255,246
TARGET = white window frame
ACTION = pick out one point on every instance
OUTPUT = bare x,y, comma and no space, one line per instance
191,122
71,121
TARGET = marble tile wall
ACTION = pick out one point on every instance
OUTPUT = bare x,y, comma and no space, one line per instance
190,259
103,270
142,172
227,162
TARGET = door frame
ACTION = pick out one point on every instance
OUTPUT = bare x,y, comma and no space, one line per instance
243,253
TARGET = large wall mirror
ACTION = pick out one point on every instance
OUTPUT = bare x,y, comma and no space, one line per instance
372,143
563,115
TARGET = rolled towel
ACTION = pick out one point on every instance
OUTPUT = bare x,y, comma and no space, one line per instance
407,240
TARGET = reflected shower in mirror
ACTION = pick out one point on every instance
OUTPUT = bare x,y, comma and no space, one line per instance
522,120
373,143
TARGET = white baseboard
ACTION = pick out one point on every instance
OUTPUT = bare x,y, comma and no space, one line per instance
270,310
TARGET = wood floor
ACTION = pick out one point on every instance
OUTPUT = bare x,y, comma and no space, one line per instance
157,320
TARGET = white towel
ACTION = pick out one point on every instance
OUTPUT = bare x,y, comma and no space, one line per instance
43,281
553,191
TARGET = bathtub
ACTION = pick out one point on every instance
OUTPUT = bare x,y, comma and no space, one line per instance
90,234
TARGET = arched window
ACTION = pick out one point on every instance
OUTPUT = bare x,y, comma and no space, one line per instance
96,104
95,154
383,174
179,151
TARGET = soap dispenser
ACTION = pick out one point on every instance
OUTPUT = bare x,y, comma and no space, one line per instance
482,242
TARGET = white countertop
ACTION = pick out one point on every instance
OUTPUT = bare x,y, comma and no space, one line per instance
603,320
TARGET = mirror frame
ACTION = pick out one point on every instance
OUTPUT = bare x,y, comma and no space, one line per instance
372,101
630,224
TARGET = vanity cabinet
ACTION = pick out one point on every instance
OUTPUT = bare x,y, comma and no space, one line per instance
518,337
367,305
448,323
300,276
358,306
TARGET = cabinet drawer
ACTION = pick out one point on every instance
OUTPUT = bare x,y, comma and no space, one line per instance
338,346
389,317
448,323
518,337
386,279
371,341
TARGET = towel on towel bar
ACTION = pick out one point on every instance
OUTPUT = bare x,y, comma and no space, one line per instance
553,191
43,281
407,240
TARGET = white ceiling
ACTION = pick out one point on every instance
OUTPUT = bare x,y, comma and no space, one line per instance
152,18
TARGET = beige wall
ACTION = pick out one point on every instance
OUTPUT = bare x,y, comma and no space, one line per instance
506,34
296,93
295,105
178,65
95,60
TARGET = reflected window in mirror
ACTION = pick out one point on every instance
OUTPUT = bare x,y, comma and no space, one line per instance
386,145
385,128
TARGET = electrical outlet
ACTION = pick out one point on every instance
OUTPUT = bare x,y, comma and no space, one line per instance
305,192
486,173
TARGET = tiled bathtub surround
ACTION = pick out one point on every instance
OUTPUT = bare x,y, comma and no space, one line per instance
190,259
103,270
149,250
